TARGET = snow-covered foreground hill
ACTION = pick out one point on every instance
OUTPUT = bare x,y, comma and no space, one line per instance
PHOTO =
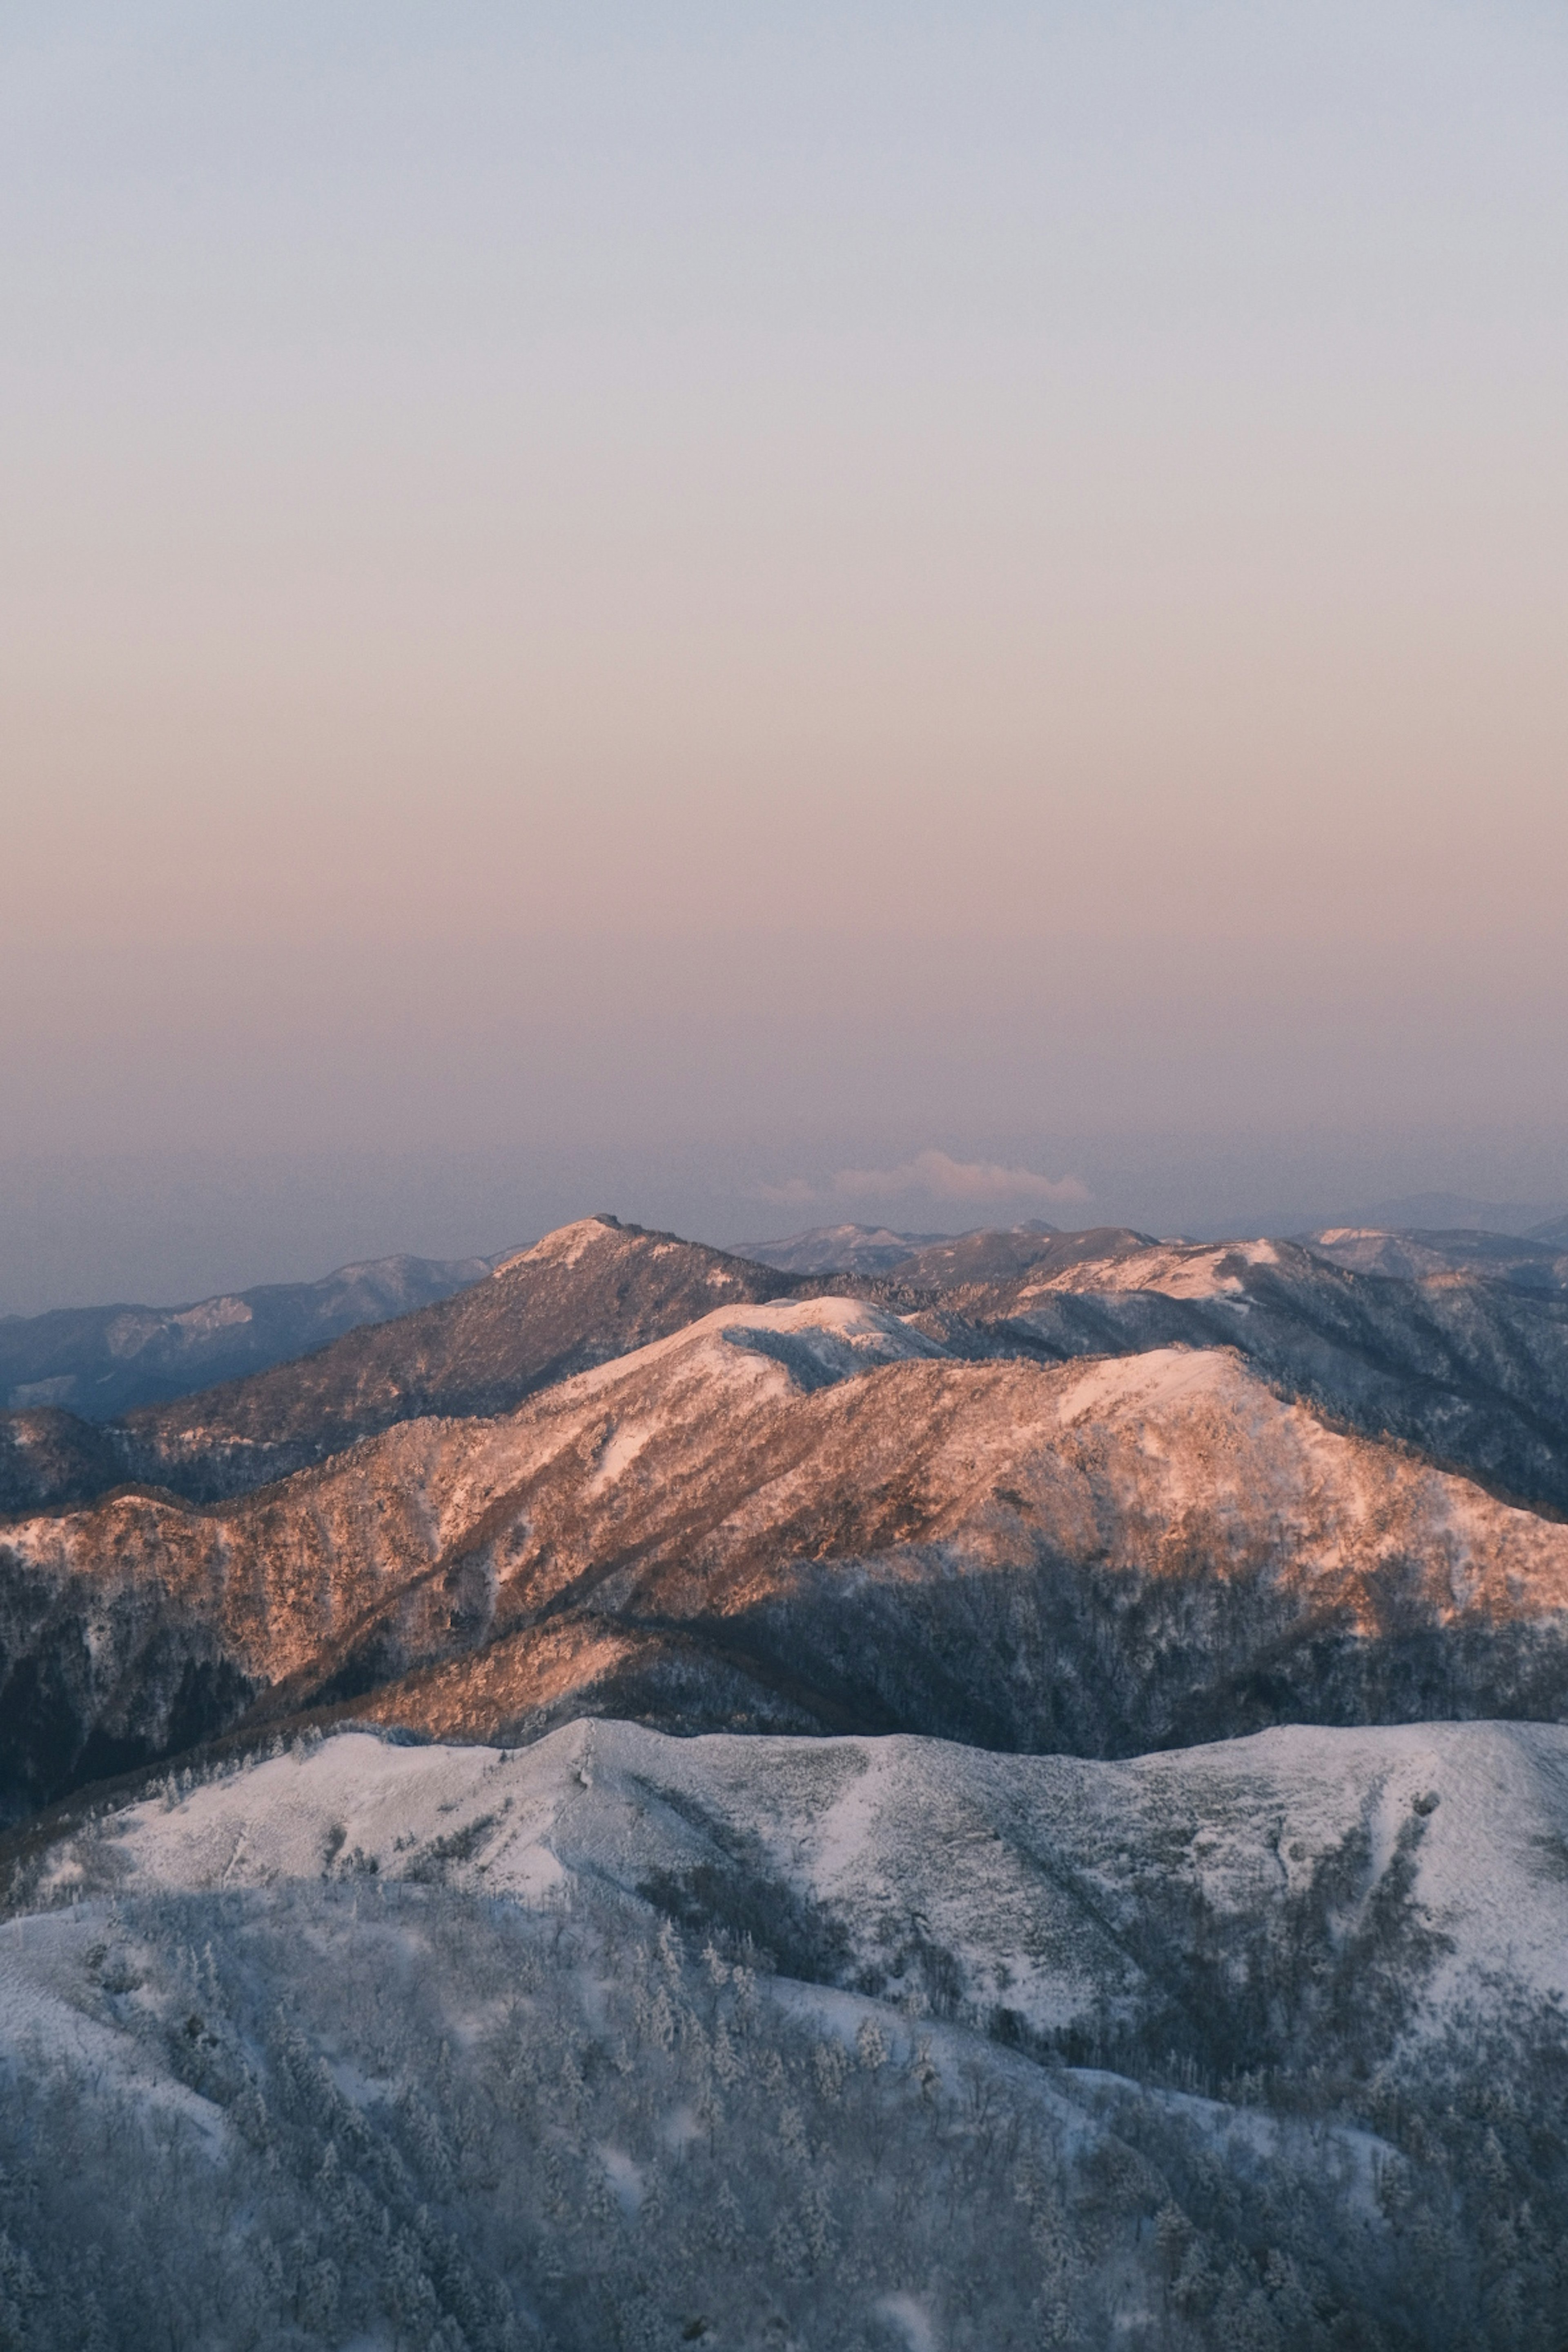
1063,1892
884,2045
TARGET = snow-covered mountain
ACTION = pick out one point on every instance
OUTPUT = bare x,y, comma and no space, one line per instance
585,1292
1533,1265
826,2043
809,1515
101,1361
1049,1885
1472,1371
1147,1947
1470,1368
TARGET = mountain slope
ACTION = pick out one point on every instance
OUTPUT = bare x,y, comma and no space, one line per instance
769,2042
801,1516
1045,1882
101,1361
1000,1256
1097,1558
941,1262
1473,1372
586,1293
837,1249
1529,1264
145,1622
51,1460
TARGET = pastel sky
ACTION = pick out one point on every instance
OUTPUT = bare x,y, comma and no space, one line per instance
724,611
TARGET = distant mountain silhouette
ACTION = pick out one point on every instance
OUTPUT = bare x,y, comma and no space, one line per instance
101,1361
1450,1211
839,1249
1535,1262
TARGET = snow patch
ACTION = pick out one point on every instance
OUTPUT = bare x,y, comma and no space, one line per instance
912,2316
567,1246
1205,1271
619,1454
625,2177
1162,1376
828,1339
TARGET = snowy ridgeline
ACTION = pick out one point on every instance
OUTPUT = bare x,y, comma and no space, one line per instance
624,2041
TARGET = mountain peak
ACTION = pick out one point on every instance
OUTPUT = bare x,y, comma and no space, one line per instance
569,1244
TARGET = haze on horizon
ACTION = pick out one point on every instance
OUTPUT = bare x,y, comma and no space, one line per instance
719,614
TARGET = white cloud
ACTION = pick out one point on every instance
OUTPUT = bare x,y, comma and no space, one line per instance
939,1177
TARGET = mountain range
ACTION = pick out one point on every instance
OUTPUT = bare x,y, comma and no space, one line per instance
1432,1212
532,1317
1536,1258
1010,1793
1537,1262
1137,1496
103,1360
1454,1355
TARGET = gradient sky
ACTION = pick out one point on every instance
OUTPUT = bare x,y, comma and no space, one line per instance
725,612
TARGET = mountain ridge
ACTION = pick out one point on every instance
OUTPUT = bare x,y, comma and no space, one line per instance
1452,1354
843,2042
805,1515
1530,1262
574,1298
101,1361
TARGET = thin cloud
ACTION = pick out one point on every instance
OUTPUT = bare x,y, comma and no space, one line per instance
793,1193
937,1176
946,1179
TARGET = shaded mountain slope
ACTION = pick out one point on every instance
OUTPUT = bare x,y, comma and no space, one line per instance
1097,1559
144,1622
101,1361
806,1516
1527,1263
50,1459
586,1293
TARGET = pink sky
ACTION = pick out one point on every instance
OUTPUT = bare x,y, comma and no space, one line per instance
695,604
